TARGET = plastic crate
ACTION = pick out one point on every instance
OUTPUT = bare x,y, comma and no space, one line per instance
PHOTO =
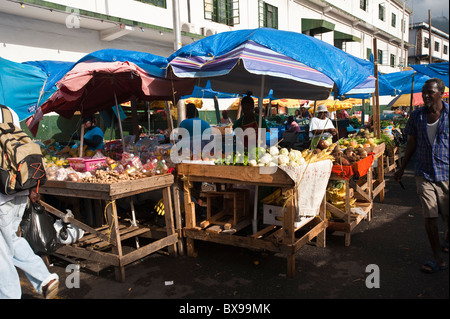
85,164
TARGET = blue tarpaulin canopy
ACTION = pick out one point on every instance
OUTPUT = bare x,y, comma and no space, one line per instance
23,86
434,70
154,65
295,65
403,81
55,71
208,93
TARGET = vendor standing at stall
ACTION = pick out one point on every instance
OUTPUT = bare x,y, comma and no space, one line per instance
321,127
225,119
249,119
192,118
93,135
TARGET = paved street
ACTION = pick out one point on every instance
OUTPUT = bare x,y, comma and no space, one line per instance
394,241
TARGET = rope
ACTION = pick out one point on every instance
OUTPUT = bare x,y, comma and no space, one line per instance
112,219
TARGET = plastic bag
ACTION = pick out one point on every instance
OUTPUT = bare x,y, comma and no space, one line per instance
67,233
37,228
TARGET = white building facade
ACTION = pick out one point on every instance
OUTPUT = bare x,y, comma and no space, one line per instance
420,38
66,30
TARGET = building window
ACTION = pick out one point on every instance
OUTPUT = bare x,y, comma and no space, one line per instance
158,3
363,4
392,60
436,46
381,11
222,11
380,57
426,42
368,52
268,15
394,20
445,49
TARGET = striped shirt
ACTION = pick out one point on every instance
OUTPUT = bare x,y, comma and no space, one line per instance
432,159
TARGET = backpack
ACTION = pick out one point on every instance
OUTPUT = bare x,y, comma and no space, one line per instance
21,164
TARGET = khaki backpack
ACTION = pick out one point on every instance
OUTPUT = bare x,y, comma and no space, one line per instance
22,164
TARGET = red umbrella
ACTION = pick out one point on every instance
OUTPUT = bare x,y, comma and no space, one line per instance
91,87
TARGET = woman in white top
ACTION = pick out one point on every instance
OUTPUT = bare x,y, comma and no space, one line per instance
321,126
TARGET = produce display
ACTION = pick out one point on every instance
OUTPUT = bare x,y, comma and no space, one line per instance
335,195
146,158
276,156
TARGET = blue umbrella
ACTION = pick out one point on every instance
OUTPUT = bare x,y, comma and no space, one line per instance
293,65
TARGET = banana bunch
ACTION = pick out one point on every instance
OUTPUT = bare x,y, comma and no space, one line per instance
276,198
336,195
319,155
159,207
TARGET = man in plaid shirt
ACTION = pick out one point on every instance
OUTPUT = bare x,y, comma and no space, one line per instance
427,130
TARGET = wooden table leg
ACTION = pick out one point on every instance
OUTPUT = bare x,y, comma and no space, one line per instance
168,215
289,236
370,190
380,176
189,216
347,211
113,222
178,223
321,237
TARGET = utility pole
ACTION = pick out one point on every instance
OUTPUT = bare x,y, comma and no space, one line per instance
403,29
176,25
177,45
430,52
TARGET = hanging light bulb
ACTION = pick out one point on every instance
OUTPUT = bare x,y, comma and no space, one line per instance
21,4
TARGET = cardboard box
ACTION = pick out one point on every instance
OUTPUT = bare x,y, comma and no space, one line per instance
273,215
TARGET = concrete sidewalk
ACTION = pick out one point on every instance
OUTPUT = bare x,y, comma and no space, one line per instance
394,241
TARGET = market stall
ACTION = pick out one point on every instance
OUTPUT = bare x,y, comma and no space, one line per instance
104,245
285,237
352,185
124,168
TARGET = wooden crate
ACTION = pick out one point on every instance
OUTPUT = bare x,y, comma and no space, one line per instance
235,206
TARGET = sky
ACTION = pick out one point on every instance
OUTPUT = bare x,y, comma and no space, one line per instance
420,9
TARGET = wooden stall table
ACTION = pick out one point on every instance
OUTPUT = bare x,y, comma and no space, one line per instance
285,239
359,188
104,244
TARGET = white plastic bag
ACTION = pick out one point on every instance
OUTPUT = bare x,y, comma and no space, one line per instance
67,233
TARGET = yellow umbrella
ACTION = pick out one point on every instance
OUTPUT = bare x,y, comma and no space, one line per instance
334,105
196,101
157,104
235,104
289,102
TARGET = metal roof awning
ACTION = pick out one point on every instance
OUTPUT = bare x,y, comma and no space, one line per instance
316,26
338,35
